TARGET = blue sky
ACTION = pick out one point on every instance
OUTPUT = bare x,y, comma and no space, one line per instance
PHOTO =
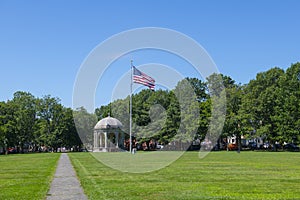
43,43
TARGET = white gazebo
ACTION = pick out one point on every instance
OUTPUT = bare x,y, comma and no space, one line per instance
108,135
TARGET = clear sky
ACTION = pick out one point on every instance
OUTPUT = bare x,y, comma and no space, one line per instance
43,43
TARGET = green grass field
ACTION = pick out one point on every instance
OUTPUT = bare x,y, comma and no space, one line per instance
26,176
220,175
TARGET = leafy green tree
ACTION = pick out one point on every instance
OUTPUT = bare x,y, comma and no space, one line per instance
103,111
85,123
149,113
204,103
217,94
49,115
288,112
21,124
261,105
9,135
3,126
120,110
172,123
200,88
189,111
67,130
233,122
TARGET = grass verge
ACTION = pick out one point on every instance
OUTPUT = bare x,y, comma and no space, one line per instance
220,175
26,176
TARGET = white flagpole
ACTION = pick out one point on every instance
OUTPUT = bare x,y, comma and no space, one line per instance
130,110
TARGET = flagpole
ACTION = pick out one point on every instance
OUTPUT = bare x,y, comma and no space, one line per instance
130,109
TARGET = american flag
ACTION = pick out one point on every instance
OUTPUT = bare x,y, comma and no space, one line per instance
142,78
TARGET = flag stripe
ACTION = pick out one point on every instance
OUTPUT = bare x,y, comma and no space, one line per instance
142,78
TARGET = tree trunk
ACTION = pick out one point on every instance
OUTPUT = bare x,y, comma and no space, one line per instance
239,143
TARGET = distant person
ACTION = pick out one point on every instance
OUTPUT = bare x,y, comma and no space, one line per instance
134,143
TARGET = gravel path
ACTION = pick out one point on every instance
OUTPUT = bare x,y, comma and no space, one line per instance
65,184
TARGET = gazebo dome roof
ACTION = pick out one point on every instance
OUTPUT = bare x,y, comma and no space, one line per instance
108,122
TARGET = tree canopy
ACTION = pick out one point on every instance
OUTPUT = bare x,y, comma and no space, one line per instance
36,124
268,106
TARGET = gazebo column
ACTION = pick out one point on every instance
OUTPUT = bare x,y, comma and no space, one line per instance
117,139
101,142
105,140
98,135
96,139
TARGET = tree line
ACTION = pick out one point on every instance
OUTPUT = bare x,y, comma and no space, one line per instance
35,124
268,106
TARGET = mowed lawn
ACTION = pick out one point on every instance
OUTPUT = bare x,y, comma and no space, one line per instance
26,176
220,175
